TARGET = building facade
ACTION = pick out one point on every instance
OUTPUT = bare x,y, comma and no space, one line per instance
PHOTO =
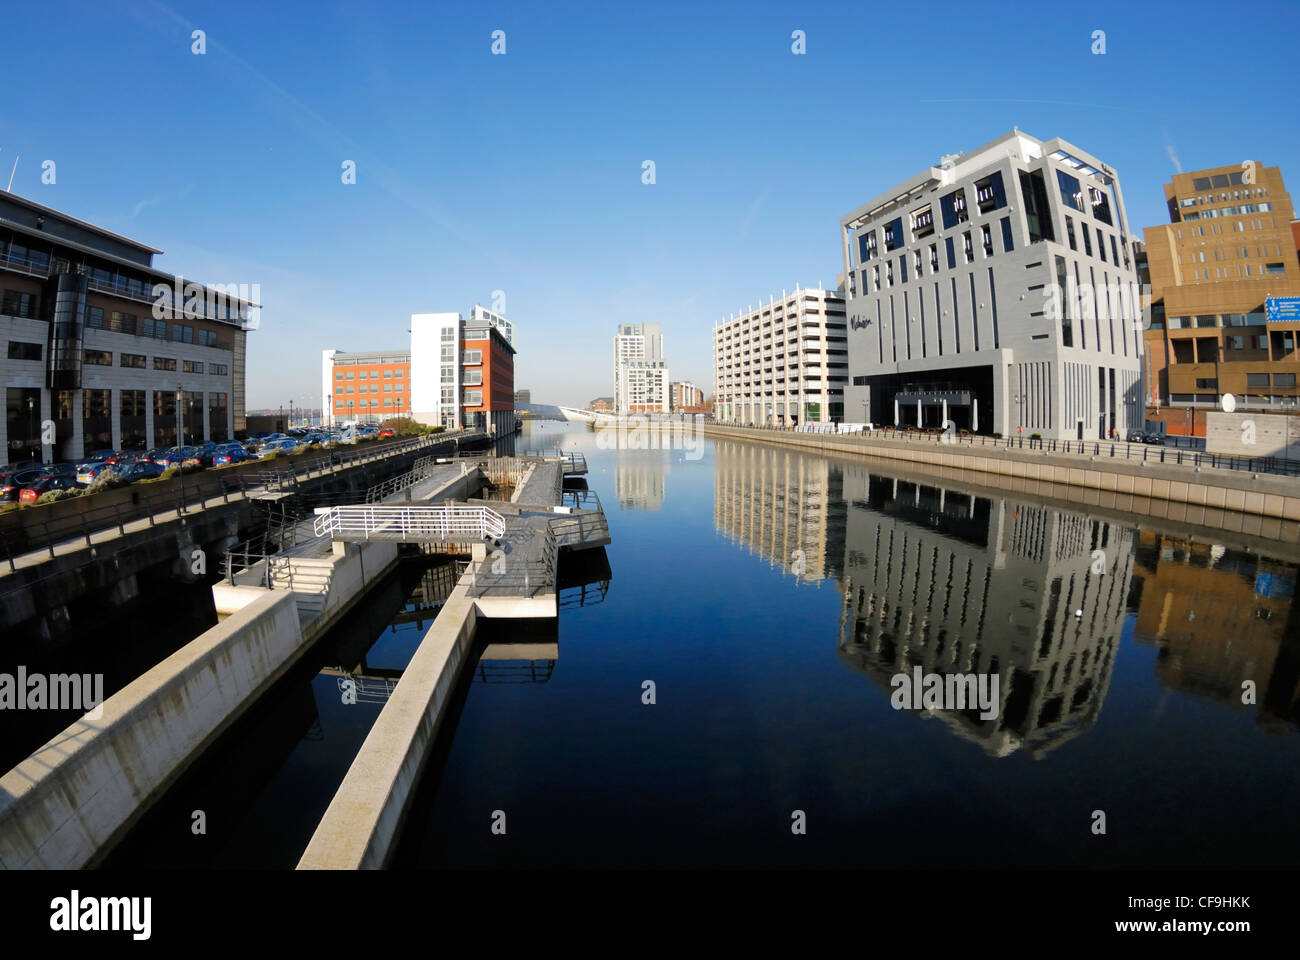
1228,250
366,387
483,317
457,373
785,363
996,292
640,370
685,395
103,350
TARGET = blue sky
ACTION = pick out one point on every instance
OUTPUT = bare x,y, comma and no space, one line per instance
522,172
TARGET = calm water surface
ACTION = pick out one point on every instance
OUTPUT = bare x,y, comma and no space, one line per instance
770,597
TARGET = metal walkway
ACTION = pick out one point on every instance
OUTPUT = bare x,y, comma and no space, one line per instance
441,523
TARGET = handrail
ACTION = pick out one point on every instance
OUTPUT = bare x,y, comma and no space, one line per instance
1116,449
420,524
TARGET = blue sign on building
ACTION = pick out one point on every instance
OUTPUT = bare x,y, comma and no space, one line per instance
1279,309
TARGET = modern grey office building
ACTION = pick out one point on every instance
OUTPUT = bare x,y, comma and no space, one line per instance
103,349
997,291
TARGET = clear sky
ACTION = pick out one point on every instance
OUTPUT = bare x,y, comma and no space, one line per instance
522,172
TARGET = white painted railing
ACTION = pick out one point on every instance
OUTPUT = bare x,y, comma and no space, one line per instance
419,524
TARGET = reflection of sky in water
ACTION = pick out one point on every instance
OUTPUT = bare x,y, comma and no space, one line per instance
730,576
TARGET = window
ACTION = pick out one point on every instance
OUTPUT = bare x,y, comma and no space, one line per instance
399,387
916,262
1100,201
349,375
18,350
894,234
374,388
388,388
1236,343
399,374
218,369
19,304
953,208
986,239
207,338
132,360
1274,268
1007,245
95,317
922,222
1101,245
471,357
338,375
164,363
934,259
1071,195
99,358
183,334
1257,379
1067,329
1207,384
363,374
967,247
388,374
473,378
989,194
952,259
1284,380
192,366
902,267
473,398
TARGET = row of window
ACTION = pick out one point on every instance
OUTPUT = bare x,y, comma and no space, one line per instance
16,303
20,350
1225,273
368,375
365,402
374,388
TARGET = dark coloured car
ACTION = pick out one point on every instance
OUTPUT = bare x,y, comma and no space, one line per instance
1156,439
1137,436
230,453
14,483
140,470
46,483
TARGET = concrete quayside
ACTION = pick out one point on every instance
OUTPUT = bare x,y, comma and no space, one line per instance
73,800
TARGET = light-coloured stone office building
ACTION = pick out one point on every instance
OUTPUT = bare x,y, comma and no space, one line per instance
997,291
784,362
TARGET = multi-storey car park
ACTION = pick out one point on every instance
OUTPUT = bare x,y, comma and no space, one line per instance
102,349
996,292
783,363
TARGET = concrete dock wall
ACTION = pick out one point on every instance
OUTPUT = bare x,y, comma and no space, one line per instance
1255,504
76,796
361,825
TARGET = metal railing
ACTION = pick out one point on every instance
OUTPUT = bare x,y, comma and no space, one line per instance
34,529
1110,449
417,524
420,470
519,577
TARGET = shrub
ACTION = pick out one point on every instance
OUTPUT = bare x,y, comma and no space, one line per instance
52,496
108,480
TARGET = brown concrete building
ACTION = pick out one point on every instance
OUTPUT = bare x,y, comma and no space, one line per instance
1229,247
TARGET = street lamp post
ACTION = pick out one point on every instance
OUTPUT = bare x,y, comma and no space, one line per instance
291,413
31,415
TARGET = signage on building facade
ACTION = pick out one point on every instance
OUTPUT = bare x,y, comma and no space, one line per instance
1282,309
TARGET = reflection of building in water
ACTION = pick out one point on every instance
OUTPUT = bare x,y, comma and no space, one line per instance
784,505
960,584
640,486
1221,618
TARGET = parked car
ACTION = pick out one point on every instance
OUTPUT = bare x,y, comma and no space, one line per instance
44,484
66,469
230,453
99,456
14,483
1136,436
175,456
140,470
288,445
1154,438
87,473
387,432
